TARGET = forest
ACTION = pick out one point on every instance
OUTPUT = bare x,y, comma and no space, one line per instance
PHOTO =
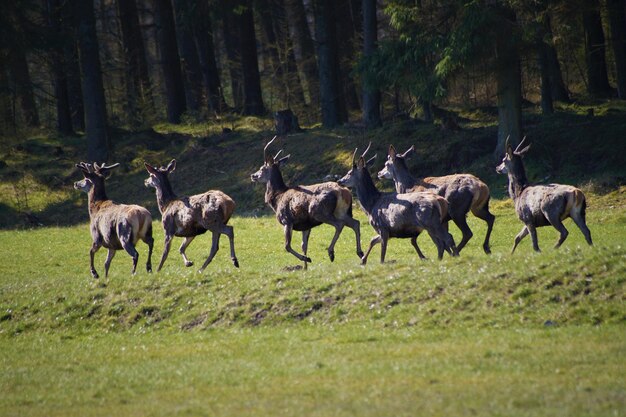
87,67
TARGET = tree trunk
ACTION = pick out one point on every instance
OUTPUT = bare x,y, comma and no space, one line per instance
192,74
371,99
547,106
7,120
304,48
139,90
170,60
231,43
203,35
61,95
98,145
597,79
332,103
20,75
617,24
509,84
348,29
559,91
74,85
253,98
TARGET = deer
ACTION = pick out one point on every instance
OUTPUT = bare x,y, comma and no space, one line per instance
464,193
403,215
190,216
114,226
541,205
304,207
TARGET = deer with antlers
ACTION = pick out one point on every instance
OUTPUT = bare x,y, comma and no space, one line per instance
191,216
114,226
541,205
302,207
398,215
464,193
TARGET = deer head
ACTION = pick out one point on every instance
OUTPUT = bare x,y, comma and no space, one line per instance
394,162
263,175
93,175
359,168
158,176
512,160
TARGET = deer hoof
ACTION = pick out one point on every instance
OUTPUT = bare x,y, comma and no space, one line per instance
331,255
236,262
363,261
188,264
94,274
149,269
307,259
360,254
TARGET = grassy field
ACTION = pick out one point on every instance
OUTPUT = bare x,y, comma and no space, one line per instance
523,335
529,334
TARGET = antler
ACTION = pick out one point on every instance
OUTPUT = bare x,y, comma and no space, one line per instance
278,153
267,146
84,166
366,149
506,142
354,156
519,146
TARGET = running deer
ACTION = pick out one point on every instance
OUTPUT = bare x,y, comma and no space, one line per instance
464,192
398,215
191,216
302,207
114,226
541,205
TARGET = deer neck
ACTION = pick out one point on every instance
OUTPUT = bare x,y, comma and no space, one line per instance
403,179
275,187
95,197
367,192
165,195
517,180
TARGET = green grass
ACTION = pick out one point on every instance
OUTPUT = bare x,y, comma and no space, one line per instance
523,335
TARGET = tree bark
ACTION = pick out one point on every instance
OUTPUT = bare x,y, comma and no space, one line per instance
349,28
20,74
203,35
170,60
597,78
371,99
253,98
192,74
61,95
547,106
557,85
98,144
74,85
509,84
333,106
617,24
139,89
304,48
231,43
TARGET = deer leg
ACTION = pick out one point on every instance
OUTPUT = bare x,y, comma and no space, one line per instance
417,249
149,240
375,240
107,262
215,245
288,248
533,236
438,243
331,247
383,247
356,226
461,222
484,214
94,248
449,245
230,233
183,248
580,222
521,235
125,234
166,250
305,244
556,222
128,247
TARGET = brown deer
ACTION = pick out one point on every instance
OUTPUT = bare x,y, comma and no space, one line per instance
398,215
303,207
464,193
191,216
541,205
114,226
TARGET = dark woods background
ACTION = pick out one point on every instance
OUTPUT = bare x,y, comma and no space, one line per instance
89,65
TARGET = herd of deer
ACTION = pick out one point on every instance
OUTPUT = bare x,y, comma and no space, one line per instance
417,205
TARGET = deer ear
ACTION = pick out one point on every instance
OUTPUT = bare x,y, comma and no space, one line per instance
409,152
360,164
392,152
152,170
171,166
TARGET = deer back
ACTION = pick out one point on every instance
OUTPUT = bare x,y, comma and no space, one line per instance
536,201
343,195
112,219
